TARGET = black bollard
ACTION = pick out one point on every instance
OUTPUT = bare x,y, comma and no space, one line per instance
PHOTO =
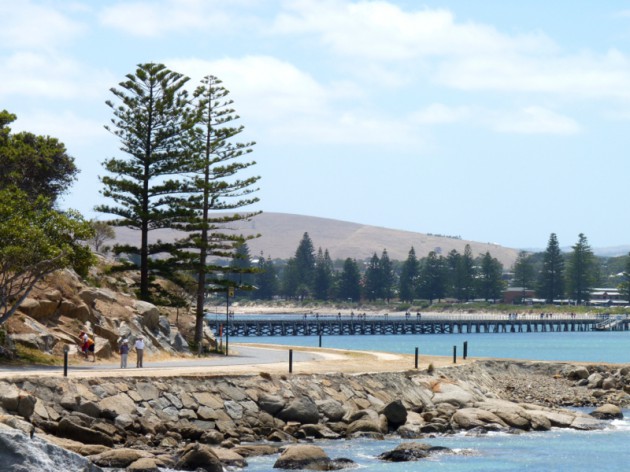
454,354
65,360
290,361
465,349
416,358
320,339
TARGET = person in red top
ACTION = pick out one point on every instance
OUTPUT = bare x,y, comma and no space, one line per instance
87,345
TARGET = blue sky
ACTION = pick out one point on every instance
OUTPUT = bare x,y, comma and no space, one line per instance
491,120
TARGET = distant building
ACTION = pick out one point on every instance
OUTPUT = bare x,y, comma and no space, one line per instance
607,296
517,294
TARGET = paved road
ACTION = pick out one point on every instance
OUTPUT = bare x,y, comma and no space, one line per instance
239,355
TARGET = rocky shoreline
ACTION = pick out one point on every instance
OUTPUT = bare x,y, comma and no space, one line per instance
145,424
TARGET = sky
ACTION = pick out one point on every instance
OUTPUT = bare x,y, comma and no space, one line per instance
494,121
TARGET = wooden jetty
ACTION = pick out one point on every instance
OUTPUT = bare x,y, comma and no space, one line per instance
330,326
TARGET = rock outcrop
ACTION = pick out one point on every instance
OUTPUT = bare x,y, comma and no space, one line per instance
54,314
181,422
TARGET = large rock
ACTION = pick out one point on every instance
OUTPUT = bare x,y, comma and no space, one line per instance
585,422
230,458
272,404
512,414
395,412
578,373
469,418
199,456
120,404
363,426
406,452
41,342
595,380
69,429
331,409
119,458
303,410
317,431
453,394
607,412
21,454
308,457
38,309
149,313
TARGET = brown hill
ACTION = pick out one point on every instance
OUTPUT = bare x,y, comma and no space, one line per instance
281,234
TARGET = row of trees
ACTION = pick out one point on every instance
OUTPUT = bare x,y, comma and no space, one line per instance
312,274
560,275
552,274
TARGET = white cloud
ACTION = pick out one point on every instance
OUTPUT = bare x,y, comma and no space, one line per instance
158,18
381,41
66,126
379,30
289,105
438,113
263,87
584,75
25,24
535,120
51,75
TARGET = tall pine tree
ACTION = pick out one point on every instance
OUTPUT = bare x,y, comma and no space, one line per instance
490,282
432,278
409,277
373,279
212,192
323,278
551,279
153,120
580,271
350,281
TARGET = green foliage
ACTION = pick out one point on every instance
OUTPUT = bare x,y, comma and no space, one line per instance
215,182
266,279
580,271
153,120
432,283
524,271
350,281
551,279
36,240
409,277
625,283
37,165
103,231
323,277
490,283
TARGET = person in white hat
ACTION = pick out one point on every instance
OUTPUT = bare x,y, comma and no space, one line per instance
124,351
139,350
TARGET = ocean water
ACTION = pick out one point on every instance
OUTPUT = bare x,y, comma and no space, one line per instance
596,346
556,450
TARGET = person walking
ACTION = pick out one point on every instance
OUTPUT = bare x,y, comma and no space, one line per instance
124,351
139,351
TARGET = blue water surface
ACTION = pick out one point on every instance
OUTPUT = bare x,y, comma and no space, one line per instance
587,346
556,450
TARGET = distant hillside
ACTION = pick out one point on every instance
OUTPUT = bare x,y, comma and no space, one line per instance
281,234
